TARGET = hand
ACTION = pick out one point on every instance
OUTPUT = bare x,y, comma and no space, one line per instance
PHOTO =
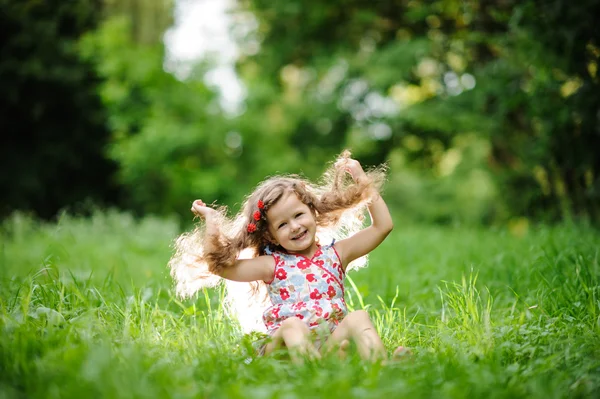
199,208
352,166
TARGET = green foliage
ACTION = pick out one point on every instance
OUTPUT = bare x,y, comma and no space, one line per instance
168,135
379,75
52,121
486,111
149,19
171,140
87,306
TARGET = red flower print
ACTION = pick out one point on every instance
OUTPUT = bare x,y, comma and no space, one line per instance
303,264
261,205
318,310
313,324
331,291
283,293
256,215
299,316
319,262
318,253
276,312
336,266
299,305
251,228
280,274
315,294
310,278
326,315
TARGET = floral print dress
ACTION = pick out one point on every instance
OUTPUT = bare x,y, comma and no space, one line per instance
309,289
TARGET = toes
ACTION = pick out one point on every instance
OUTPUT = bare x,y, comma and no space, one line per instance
401,352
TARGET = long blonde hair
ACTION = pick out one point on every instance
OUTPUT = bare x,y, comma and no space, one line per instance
336,201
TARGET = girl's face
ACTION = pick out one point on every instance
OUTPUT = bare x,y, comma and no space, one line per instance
292,225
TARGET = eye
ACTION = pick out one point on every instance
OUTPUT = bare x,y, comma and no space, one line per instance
281,225
299,214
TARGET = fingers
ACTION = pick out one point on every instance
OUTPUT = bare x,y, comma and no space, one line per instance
197,205
345,163
350,165
340,163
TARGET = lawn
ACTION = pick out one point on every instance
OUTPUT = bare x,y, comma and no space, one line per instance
87,309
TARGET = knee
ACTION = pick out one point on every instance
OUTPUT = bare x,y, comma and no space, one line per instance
359,318
292,323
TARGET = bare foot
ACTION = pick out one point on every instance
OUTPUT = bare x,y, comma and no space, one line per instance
400,353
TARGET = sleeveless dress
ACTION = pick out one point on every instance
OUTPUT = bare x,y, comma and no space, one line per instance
311,289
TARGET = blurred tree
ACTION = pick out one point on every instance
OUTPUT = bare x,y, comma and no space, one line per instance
484,109
55,130
52,122
364,75
426,83
148,20
555,117
170,139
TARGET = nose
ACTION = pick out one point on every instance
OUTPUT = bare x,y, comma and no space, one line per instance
294,225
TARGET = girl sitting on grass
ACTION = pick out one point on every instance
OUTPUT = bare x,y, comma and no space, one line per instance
282,223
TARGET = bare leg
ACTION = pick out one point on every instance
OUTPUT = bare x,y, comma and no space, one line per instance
342,351
358,327
340,347
294,334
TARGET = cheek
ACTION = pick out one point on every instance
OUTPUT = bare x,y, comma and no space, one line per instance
277,234
308,220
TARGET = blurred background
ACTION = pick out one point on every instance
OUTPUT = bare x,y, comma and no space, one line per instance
487,112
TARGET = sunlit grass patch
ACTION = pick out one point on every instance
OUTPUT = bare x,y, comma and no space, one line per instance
87,308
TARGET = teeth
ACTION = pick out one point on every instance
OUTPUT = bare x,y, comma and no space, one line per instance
299,235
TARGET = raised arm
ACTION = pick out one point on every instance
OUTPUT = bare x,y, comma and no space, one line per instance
245,270
369,238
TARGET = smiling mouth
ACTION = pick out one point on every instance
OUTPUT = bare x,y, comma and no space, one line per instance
300,236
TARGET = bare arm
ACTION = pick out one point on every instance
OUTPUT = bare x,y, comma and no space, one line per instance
369,238
244,270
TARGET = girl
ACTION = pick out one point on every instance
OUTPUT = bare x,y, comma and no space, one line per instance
282,223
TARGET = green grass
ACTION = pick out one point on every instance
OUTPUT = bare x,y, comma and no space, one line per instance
87,310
